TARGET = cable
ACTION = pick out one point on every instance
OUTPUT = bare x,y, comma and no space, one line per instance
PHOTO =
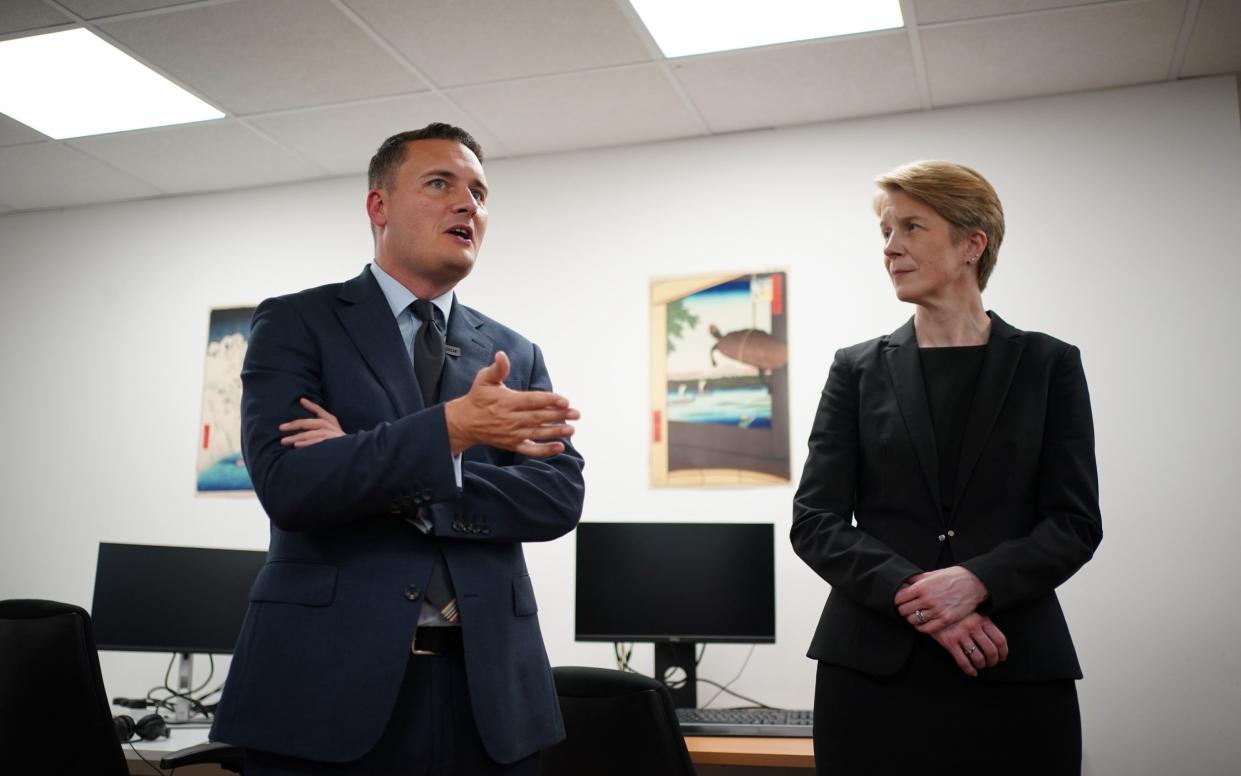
148,762
724,687
623,654
195,696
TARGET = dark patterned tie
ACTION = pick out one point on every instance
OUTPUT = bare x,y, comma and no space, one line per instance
428,350
428,366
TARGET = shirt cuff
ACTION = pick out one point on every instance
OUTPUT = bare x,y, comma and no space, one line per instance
456,468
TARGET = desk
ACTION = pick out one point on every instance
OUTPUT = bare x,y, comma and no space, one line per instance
771,752
765,752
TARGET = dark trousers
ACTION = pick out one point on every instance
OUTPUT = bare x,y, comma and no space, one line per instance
931,719
431,733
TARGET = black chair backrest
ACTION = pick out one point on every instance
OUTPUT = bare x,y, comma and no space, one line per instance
616,723
53,706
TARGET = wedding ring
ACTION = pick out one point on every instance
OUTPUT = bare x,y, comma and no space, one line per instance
973,648
918,616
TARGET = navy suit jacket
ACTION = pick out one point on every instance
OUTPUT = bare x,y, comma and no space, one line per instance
1026,509
327,636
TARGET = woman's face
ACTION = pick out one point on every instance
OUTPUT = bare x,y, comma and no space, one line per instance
926,264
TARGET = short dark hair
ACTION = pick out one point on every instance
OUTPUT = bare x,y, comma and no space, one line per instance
392,151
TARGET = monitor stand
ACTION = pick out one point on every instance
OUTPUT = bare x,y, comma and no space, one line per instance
670,656
182,703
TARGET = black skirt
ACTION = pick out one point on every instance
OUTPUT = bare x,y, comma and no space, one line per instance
930,718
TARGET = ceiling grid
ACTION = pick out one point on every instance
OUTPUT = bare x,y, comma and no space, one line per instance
310,87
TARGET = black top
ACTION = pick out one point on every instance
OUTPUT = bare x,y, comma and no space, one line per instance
1026,515
950,375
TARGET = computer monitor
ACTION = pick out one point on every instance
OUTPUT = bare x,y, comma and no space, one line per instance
677,585
172,599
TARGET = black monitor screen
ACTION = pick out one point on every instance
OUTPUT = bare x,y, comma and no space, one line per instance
698,582
171,599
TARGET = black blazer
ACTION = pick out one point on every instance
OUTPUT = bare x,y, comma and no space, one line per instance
327,637
1026,512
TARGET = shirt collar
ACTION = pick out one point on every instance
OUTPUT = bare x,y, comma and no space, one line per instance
400,298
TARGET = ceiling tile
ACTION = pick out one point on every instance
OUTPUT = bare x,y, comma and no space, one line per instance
802,83
198,157
46,175
473,41
1215,43
1093,47
14,132
22,15
581,110
344,138
932,11
97,9
266,54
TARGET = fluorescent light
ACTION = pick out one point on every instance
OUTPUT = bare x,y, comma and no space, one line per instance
685,27
73,83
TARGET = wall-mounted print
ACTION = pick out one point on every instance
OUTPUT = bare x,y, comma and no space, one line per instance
221,468
719,380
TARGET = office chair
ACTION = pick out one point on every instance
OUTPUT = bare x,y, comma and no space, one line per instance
616,724
53,707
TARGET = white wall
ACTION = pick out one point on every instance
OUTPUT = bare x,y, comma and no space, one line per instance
1122,208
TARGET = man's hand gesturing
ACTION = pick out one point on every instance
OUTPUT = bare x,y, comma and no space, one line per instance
494,414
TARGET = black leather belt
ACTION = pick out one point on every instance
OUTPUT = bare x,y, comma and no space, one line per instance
437,641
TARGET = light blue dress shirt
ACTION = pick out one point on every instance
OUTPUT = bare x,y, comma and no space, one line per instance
399,299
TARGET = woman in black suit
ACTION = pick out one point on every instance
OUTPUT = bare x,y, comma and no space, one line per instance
950,487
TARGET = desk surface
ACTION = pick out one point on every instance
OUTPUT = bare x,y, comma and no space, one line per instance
703,750
745,750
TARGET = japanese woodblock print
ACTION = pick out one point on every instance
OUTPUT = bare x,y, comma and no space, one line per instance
221,468
719,380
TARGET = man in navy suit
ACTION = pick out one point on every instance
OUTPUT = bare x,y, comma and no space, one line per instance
393,628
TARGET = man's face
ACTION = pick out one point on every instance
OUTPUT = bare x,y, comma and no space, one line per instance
431,216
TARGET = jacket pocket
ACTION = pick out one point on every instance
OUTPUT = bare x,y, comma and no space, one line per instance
523,596
291,582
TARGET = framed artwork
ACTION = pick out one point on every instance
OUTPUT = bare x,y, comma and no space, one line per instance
221,468
719,380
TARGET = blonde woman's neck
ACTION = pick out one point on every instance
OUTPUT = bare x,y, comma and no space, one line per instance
956,326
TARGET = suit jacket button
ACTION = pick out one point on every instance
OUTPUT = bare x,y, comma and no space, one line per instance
952,533
412,592
942,537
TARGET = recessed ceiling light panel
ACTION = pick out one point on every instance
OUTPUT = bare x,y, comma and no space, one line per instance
686,27
73,83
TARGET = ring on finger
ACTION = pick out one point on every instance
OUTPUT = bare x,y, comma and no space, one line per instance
918,616
972,649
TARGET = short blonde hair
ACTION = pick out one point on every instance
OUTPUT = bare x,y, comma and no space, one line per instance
960,195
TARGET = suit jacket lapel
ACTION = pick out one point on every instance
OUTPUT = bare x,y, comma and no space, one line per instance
465,334
906,372
994,378
368,320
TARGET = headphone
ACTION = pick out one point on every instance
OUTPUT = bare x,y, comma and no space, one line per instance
148,728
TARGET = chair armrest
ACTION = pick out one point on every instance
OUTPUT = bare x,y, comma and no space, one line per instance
226,756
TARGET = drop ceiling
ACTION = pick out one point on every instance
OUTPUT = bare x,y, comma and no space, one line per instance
310,87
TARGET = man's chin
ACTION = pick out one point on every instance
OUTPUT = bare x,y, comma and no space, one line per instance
455,270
